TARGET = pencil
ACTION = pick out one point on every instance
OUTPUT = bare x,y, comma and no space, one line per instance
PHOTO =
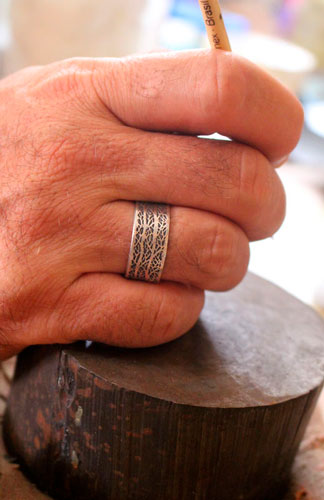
215,26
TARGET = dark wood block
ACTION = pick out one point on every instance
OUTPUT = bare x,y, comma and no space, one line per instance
218,414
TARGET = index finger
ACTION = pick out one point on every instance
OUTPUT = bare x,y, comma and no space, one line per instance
202,92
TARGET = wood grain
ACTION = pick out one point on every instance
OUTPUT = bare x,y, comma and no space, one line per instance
219,413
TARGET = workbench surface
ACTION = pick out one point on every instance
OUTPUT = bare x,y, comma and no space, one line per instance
307,478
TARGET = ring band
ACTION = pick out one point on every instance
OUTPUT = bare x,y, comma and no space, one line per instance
149,243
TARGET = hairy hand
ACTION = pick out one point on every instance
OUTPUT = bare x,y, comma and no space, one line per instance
82,139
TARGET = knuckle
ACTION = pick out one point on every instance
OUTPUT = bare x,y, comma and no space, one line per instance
27,225
39,221
239,268
53,149
225,257
261,193
66,79
163,319
217,257
277,208
226,83
137,317
255,183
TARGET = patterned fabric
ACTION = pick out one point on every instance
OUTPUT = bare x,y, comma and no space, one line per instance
149,242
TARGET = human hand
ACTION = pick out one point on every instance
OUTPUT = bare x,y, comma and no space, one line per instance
82,139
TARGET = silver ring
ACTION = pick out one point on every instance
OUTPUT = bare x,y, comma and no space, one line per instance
149,243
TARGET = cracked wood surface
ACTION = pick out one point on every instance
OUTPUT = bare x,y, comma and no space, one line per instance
307,477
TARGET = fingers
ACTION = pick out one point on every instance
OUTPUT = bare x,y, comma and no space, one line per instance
205,251
232,180
110,309
202,92
222,177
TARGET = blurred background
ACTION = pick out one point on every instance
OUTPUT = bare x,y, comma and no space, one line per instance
286,37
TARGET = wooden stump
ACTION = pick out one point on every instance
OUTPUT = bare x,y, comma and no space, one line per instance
218,414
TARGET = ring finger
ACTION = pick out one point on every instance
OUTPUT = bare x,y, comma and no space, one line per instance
205,250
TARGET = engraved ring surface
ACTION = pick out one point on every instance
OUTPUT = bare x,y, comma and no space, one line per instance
149,243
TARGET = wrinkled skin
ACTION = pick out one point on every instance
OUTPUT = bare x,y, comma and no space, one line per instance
82,139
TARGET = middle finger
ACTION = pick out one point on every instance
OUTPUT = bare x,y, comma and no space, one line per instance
226,178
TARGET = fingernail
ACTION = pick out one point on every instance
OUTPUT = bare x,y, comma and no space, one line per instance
280,162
